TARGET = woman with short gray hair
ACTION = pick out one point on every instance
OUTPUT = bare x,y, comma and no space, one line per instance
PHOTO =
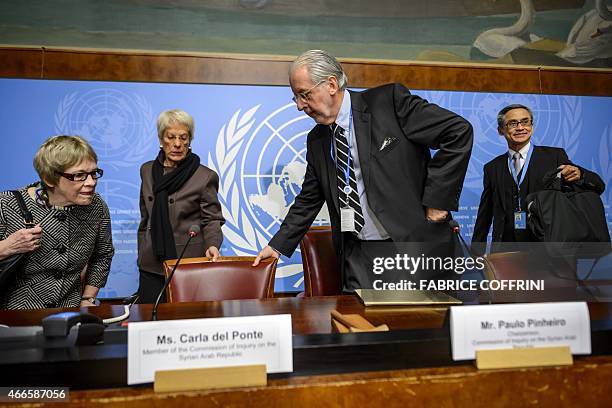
176,193
69,243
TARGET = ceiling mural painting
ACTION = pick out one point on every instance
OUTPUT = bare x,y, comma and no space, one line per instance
570,33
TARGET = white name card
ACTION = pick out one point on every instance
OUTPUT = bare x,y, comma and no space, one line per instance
215,342
488,327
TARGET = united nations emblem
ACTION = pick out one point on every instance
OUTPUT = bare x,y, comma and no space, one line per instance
118,125
261,167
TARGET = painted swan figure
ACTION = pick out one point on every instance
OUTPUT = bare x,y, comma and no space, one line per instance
498,42
590,37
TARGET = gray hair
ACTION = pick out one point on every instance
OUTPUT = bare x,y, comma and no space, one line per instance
502,113
321,65
58,153
168,117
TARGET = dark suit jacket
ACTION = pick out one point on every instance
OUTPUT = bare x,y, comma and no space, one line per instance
195,203
499,188
400,180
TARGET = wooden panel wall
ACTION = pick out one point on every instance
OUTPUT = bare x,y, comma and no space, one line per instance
125,65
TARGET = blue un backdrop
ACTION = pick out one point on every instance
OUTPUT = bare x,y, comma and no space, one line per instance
256,141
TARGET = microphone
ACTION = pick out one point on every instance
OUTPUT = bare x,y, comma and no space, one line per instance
454,225
194,230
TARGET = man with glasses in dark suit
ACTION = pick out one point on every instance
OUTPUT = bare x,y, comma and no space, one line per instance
368,158
511,176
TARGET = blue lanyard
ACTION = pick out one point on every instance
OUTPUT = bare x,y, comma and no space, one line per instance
523,171
349,139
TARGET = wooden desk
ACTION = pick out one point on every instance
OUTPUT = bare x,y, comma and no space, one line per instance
309,315
586,383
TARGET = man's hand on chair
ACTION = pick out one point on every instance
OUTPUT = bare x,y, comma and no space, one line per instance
267,252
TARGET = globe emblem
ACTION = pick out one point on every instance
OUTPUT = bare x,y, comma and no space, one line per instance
118,125
122,200
273,168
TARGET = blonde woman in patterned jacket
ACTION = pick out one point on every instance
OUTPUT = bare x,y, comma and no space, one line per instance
69,250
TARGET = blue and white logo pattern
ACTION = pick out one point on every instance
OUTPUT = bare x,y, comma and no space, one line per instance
602,165
118,125
257,144
256,195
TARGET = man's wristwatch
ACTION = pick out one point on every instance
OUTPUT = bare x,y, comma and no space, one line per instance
90,299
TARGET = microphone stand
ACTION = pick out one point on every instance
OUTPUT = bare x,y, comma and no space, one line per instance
169,278
456,230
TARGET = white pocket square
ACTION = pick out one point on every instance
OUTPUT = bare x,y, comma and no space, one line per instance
386,143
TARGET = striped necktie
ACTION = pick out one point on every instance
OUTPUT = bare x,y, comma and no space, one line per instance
348,198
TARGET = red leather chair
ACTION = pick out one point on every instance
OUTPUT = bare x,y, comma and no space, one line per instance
557,271
507,265
321,267
200,279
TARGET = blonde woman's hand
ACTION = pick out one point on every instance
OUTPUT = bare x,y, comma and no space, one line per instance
87,303
21,241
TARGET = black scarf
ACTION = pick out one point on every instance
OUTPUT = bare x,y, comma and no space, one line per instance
162,234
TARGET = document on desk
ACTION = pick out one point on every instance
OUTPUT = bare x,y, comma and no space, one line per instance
214,342
526,325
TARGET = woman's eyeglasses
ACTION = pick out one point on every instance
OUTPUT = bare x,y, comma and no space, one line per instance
96,174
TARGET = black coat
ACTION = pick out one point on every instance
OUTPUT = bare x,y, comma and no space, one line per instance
400,180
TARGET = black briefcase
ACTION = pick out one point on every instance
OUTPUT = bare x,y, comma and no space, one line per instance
568,213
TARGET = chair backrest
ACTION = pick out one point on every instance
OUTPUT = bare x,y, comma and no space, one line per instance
507,265
556,271
321,267
200,279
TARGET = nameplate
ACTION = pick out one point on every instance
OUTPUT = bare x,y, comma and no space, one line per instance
215,342
508,326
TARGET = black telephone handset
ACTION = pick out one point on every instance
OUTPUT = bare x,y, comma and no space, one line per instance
77,328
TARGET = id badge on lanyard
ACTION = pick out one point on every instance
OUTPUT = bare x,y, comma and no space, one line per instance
347,219
520,220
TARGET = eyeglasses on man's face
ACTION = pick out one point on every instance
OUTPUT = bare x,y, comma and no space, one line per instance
305,95
513,124
82,176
